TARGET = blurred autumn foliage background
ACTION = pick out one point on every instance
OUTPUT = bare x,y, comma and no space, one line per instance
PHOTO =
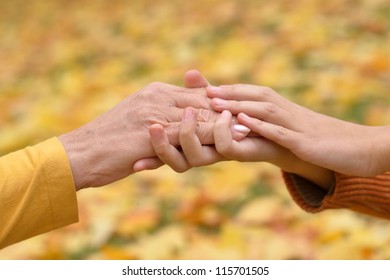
64,62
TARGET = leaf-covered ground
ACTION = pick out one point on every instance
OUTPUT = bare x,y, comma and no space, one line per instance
64,62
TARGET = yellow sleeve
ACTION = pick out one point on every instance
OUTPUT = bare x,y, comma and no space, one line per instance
37,192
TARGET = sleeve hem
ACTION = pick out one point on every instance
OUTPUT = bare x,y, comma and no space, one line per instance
367,195
60,184
306,194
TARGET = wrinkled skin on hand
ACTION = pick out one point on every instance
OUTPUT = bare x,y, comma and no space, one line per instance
104,150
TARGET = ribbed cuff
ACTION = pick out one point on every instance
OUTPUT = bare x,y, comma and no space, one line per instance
369,195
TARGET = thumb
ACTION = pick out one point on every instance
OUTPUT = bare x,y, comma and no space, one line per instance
195,79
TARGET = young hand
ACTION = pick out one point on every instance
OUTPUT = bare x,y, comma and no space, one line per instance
331,143
226,148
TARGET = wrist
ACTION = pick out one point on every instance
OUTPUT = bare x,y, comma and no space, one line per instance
380,149
79,155
98,156
318,175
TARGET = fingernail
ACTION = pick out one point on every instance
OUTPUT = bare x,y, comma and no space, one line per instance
213,89
241,128
219,102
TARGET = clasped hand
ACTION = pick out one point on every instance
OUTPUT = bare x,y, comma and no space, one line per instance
202,124
117,143
286,134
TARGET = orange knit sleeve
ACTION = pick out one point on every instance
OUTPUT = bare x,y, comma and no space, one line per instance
368,195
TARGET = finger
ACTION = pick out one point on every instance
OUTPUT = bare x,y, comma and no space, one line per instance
238,131
167,153
244,92
224,142
147,164
278,134
248,149
204,115
175,114
195,79
196,154
182,97
266,111
205,132
190,97
206,120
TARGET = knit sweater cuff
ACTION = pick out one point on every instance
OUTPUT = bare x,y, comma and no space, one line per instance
369,195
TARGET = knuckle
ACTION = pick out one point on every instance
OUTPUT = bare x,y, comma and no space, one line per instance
156,85
282,131
199,91
150,120
270,108
264,92
156,88
205,102
267,90
201,101
234,104
235,89
204,115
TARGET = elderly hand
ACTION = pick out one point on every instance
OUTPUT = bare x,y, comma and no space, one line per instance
104,150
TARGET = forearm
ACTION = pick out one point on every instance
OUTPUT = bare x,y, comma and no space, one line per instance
366,194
